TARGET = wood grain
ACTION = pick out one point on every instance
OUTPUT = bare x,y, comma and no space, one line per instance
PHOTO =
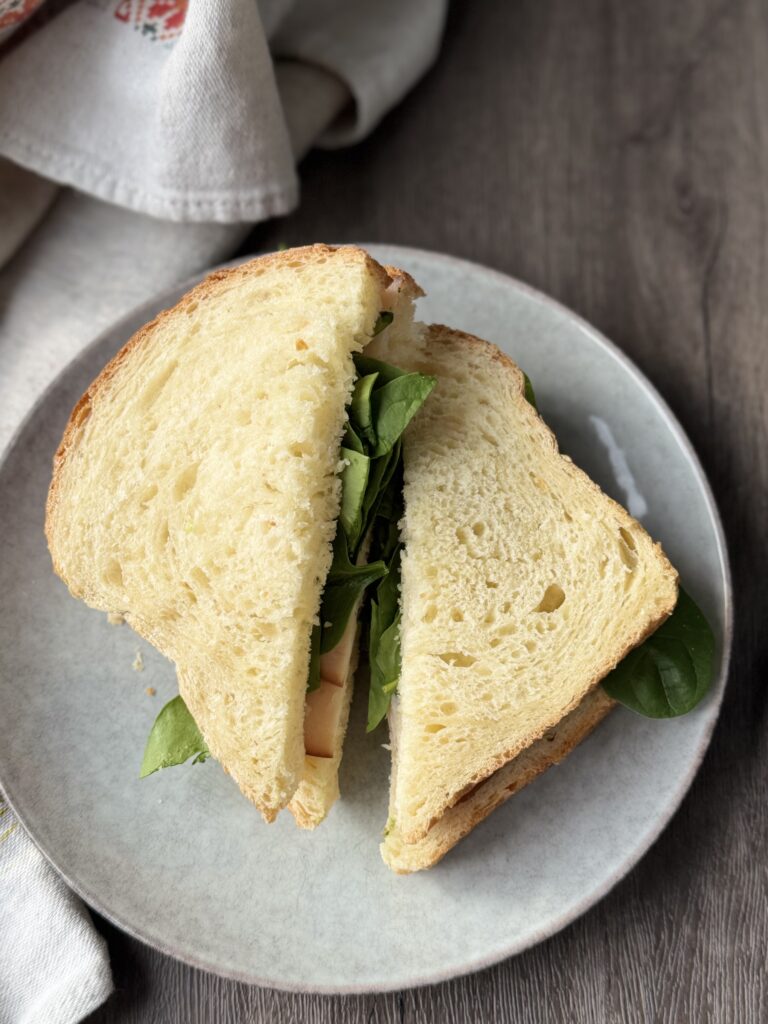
616,156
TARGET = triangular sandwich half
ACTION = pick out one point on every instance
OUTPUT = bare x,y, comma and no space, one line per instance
197,490
523,585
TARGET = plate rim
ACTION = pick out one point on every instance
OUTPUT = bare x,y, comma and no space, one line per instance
714,700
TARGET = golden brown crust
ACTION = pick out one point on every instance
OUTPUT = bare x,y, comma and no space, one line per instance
405,282
497,788
438,334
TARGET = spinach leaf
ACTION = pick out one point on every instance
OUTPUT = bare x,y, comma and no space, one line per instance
345,584
395,404
174,738
384,401
671,671
313,678
360,407
529,393
366,365
354,484
352,441
384,643
384,319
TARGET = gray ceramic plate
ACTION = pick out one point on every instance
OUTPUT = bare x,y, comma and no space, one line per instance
182,861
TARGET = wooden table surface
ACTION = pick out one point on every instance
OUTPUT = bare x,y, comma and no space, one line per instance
614,155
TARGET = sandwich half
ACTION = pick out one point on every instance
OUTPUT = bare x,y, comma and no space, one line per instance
197,490
523,585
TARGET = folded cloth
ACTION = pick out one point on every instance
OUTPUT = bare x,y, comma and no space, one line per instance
55,968
178,123
172,108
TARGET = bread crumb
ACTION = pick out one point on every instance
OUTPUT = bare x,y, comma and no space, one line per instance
138,663
150,691
115,618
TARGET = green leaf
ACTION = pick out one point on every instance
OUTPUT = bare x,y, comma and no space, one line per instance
378,498
529,393
354,482
384,643
385,318
395,404
345,584
360,408
671,671
366,365
174,738
313,678
384,401
352,441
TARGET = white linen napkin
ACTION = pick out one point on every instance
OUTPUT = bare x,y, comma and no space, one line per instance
60,965
176,124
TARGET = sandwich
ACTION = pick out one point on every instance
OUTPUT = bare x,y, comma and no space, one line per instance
197,492
523,585
284,471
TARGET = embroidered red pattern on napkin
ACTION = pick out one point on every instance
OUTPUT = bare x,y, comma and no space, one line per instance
161,20
14,11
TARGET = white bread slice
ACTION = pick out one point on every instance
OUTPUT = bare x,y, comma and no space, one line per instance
475,806
196,491
522,583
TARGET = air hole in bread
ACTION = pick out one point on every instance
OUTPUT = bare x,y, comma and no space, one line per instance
300,449
433,727
552,599
448,707
628,539
491,584
490,617
188,593
530,646
185,482
628,554
113,574
156,384
200,577
457,658
148,494
457,615
301,345
478,529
